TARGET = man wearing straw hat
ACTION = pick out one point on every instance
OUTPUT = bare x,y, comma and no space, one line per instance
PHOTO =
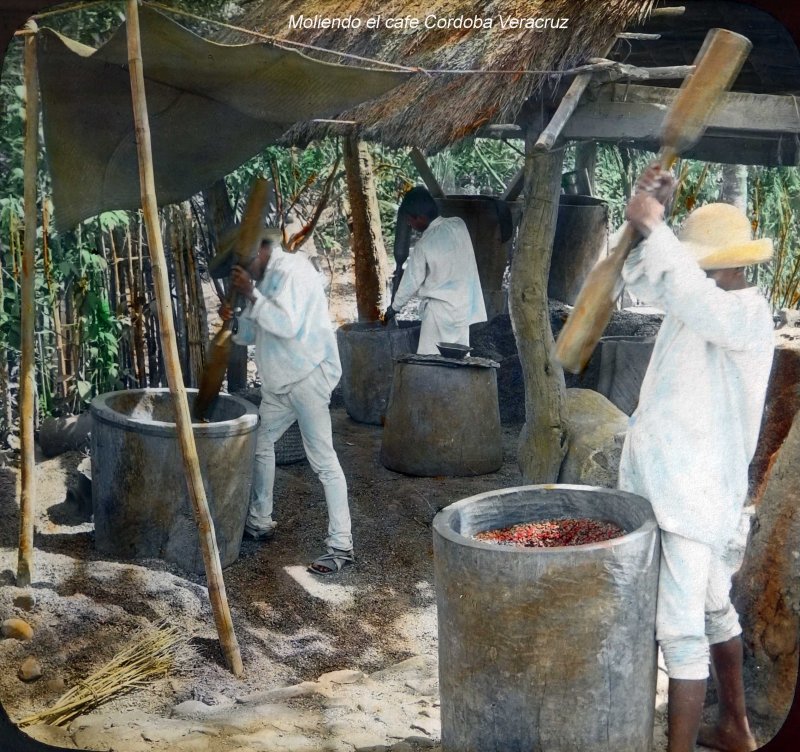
286,318
442,271
691,439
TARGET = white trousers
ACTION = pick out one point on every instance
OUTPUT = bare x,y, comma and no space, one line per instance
437,326
307,402
694,608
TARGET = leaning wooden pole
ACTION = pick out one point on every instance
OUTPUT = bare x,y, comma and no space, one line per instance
27,389
208,541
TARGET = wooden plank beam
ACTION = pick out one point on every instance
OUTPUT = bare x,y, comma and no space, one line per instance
772,150
425,172
634,112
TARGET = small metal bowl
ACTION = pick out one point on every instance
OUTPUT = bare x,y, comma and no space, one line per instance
453,350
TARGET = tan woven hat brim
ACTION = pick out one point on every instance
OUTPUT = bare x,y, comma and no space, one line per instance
732,256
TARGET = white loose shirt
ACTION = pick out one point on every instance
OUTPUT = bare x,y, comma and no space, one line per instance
694,433
442,268
289,324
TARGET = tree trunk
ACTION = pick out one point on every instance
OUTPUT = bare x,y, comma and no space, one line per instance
733,189
53,292
175,261
542,443
371,263
5,390
766,590
196,315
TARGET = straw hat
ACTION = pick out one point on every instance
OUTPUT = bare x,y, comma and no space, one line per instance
223,261
719,236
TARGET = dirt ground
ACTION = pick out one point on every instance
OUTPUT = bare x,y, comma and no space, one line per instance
291,626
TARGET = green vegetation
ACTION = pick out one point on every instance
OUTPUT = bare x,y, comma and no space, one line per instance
96,329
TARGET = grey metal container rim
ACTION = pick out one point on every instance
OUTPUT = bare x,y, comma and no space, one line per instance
376,326
102,409
443,521
646,338
579,199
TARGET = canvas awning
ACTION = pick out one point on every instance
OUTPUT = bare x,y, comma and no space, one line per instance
211,108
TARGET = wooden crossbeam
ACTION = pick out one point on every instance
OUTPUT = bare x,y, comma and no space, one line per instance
547,138
677,10
425,172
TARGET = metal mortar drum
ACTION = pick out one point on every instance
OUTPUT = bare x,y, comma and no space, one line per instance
623,364
368,351
443,417
546,648
140,498
581,238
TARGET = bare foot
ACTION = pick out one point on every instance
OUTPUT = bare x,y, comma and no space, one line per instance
727,740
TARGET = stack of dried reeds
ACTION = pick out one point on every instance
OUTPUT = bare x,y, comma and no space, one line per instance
147,659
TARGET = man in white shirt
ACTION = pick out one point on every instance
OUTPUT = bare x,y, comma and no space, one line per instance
442,271
691,439
286,318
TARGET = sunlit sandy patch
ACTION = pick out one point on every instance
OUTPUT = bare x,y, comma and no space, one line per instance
322,587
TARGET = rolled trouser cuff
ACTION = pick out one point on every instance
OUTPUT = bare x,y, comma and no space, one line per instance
722,625
686,657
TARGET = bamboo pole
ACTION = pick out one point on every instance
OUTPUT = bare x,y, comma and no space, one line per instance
179,280
208,541
6,417
135,308
195,303
27,502
55,304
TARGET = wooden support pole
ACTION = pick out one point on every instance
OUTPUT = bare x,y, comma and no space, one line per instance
425,172
27,502
197,494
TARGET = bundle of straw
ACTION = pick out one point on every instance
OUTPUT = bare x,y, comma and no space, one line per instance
147,659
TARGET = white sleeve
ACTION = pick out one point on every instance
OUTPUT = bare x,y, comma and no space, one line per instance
413,276
283,312
664,273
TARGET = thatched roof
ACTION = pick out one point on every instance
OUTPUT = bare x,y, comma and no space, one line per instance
433,111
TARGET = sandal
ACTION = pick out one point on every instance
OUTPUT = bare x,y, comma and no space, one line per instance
265,534
332,562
